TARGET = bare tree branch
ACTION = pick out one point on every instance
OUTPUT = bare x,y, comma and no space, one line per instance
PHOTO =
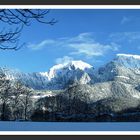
18,18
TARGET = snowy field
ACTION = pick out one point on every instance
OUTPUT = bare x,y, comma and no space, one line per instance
53,126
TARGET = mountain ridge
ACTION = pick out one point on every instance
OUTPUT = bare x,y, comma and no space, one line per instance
125,67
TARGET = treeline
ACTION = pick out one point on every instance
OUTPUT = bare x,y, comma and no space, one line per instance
15,99
17,103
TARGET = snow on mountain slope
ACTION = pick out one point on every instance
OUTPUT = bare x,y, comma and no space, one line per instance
128,60
73,65
124,67
63,75
129,55
58,77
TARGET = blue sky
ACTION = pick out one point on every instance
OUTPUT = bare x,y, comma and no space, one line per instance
94,36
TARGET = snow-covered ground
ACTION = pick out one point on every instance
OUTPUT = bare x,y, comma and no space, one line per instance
64,126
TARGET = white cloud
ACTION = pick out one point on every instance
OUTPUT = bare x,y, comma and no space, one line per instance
130,20
125,20
41,45
83,37
125,36
93,49
63,60
83,44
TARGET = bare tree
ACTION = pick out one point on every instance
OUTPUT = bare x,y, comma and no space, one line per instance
18,91
27,102
5,94
19,18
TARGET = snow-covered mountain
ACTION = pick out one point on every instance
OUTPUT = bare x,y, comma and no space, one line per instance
116,88
62,75
61,69
58,77
124,68
128,60
111,89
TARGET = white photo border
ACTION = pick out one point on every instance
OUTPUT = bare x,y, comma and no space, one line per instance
70,7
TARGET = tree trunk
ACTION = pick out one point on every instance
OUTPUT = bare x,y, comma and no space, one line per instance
3,112
26,107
